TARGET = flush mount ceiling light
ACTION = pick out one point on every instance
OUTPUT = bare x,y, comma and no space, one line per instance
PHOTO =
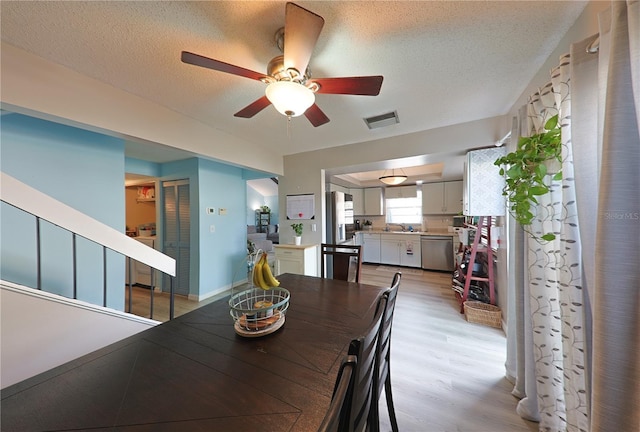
290,98
393,179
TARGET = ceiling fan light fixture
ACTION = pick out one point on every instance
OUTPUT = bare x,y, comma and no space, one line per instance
393,179
290,98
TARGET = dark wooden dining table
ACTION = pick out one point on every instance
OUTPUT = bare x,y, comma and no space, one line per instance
195,373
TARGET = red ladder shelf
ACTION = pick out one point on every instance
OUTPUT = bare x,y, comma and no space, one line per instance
483,222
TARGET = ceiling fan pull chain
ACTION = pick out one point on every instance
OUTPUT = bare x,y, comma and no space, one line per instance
289,128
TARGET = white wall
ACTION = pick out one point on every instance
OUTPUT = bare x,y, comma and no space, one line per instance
40,331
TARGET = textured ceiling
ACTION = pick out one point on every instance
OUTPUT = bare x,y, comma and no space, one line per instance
443,62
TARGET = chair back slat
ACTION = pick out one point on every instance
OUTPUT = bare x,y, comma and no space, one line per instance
336,418
385,330
382,378
364,393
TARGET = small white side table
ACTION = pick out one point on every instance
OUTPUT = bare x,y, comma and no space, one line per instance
298,259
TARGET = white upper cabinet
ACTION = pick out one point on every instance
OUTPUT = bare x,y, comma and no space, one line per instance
483,183
401,192
453,197
373,202
442,198
358,201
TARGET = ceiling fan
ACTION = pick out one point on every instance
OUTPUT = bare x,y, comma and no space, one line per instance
290,87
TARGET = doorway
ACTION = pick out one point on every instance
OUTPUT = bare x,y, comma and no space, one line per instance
141,215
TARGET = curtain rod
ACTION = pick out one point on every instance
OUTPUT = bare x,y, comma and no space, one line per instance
593,47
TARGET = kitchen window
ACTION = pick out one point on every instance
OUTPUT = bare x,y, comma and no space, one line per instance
404,210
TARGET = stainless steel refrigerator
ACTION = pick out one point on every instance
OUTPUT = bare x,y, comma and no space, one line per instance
340,227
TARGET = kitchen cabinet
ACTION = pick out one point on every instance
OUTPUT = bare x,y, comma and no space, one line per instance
371,248
373,202
403,250
483,183
297,259
401,192
442,198
357,239
358,201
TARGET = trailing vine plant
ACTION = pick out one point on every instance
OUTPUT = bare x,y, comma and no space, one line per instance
525,170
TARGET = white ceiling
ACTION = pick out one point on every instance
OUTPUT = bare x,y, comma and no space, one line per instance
443,62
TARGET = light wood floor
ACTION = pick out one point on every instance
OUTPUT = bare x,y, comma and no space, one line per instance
447,374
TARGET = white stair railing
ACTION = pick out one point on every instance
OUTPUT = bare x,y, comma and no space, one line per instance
44,207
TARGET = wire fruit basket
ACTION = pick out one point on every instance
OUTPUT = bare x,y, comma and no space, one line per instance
258,312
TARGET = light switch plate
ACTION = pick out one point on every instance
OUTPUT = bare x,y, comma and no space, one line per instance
222,211
211,210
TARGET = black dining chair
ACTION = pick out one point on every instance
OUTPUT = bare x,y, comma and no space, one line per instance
382,376
336,418
344,261
363,396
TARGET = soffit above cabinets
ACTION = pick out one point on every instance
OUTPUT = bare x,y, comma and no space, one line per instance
425,173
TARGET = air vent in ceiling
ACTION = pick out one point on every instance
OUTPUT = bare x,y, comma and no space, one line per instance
382,120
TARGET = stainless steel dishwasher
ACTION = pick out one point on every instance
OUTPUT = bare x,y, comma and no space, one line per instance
437,252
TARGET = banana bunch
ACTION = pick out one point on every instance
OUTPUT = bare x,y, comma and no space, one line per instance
262,276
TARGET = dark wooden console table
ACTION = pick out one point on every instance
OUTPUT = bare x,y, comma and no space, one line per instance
195,374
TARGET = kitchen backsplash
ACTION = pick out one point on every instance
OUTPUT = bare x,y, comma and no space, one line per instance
433,223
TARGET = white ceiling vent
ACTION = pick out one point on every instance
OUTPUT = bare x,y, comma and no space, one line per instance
382,120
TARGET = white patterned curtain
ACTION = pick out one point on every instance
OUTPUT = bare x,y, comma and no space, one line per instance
577,298
553,300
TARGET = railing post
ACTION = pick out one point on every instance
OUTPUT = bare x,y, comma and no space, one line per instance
171,290
75,268
38,256
104,275
151,296
130,284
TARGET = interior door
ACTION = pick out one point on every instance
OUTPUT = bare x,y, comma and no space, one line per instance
177,227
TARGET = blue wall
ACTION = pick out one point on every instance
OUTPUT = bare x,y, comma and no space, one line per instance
82,169
86,170
223,252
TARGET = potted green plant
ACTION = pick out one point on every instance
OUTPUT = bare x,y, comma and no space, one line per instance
525,170
265,209
297,228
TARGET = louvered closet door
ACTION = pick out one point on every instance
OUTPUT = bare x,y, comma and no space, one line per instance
177,224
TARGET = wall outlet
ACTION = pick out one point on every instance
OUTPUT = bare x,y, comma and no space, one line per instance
212,228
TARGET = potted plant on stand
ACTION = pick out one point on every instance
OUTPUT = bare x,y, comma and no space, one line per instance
527,170
297,227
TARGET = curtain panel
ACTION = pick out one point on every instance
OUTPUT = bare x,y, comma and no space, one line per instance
576,304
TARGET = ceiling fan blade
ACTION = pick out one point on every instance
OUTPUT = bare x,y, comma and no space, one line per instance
363,86
316,116
301,31
253,108
209,63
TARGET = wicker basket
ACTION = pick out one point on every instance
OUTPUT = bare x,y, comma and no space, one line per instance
483,313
